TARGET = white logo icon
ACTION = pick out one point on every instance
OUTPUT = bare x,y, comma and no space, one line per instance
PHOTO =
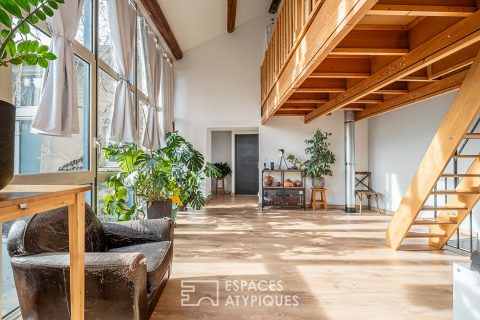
194,292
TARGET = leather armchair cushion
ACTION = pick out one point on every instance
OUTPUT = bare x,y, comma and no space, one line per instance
158,256
122,234
48,232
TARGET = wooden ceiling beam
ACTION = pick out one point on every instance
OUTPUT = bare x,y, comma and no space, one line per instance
459,36
422,10
231,15
320,90
423,93
306,101
369,51
342,75
156,14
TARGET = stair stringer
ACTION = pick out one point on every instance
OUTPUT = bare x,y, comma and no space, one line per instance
459,118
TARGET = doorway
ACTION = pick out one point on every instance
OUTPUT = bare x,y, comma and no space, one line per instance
246,164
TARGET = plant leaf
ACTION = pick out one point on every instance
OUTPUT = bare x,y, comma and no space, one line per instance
31,60
33,19
33,2
53,4
12,8
22,47
60,1
46,9
42,62
24,28
33,46
16,61
50,56
40,15
24,4
4,33
42,49
11,48
5,19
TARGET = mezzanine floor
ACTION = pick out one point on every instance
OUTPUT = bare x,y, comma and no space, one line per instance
337,265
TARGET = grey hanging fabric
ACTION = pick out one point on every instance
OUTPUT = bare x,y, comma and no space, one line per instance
153,135
57,112
122,18
167,92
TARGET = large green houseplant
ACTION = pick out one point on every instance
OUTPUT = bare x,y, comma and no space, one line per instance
321,158
189,170
172,174
16,19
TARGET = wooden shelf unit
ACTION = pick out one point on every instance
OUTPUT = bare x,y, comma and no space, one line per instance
283,192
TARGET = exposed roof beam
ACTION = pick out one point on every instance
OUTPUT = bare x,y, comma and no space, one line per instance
421,10
459,36
157,16
274,6
423,93
306,101
231,15
319,90
369,51
329,25
343,75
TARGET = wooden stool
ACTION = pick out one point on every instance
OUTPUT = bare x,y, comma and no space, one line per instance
323,198
217,187
362,194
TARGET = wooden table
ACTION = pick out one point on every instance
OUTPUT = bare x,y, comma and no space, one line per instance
323,198
17,201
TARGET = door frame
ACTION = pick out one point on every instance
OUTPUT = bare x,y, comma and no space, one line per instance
235,131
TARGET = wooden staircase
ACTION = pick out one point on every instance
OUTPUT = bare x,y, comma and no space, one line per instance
459,200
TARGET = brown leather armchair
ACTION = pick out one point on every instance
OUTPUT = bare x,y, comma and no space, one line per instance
126,266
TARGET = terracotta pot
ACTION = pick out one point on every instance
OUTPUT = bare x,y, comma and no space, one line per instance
268,181
319,183
288,183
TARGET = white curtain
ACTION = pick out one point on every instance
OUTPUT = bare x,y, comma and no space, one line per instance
153,134
57,113
122,18
167,96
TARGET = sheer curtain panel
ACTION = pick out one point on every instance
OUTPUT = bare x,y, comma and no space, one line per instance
167,96
58,109
122,23
153,133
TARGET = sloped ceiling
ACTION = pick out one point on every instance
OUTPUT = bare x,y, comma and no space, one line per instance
197,21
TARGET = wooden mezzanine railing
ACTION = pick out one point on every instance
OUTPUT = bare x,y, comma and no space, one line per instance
290,26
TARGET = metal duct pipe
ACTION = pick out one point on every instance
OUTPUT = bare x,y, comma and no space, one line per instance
349,162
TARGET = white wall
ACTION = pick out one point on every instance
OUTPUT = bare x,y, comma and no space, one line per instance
218,88
217,83
398,141
290,133
222,152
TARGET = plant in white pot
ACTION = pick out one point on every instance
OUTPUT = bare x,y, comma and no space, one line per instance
321,159
16,19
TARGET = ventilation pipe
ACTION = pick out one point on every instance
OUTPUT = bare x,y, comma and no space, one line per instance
349,162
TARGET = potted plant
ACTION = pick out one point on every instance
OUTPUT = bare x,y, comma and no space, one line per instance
224,169
16,17
189,170
321,159
296,164
148,176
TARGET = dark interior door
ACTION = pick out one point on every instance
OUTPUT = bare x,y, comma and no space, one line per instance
246,164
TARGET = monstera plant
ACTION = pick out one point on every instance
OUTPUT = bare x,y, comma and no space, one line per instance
17,17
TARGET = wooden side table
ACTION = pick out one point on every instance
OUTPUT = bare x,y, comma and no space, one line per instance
367,194
217,187
26,200
323,198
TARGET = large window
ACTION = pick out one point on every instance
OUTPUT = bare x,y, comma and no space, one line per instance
78,159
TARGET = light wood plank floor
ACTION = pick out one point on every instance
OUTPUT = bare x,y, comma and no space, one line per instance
337,265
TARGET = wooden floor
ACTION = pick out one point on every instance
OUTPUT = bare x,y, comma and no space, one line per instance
337,265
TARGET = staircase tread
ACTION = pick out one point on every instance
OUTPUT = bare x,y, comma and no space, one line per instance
472,136
466,156
412,234
441,208
417,247
442,192
460,175
432,222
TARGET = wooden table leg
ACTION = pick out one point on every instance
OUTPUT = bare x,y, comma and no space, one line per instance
76,235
